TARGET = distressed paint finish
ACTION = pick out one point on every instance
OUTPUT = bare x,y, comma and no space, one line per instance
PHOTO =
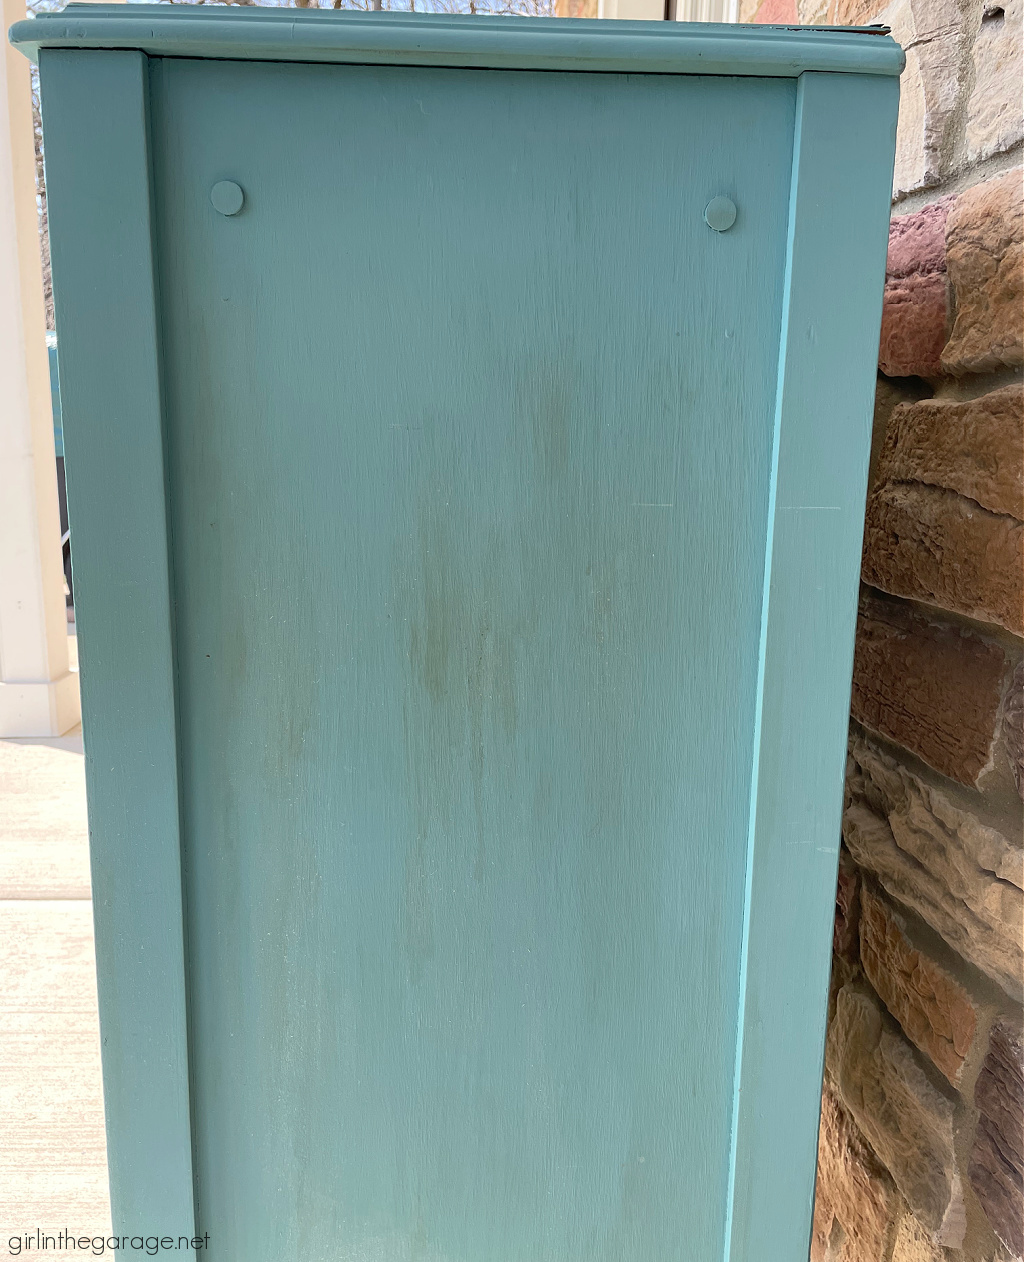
482,41
113,454
467,628
823,438
489,471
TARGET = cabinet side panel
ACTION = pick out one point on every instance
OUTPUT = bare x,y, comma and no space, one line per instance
97,167
469,422
839,215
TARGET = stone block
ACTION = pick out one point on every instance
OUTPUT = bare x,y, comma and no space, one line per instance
906,1119
914,1244
961,876
934,689
916,320
937,1014
812,12
1013,726
916,315
943,549
932,34
996,1168
973,446
855,12
995,122
944,517
917,242
853,1189
777,13
845,930
887,399
985,262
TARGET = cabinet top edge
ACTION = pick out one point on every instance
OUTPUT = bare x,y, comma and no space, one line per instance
480,42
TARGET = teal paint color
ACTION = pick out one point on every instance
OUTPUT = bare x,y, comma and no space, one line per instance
823,439
100,238
481,41
467,652
467,540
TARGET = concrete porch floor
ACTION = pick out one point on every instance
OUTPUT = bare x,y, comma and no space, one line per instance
53,1163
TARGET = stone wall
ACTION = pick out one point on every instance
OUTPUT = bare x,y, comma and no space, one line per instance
922,1129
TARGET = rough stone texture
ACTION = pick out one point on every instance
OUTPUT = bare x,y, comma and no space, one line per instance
916,320
916,315
943,549
995,121
934,689
997,1158
812,12
944,518
961,876
931,32
1013,726
855,12
917,243
974,447
887,398
853,1189
985,261
937,1014
914,1244
777,13
907,1121
845,929
944,528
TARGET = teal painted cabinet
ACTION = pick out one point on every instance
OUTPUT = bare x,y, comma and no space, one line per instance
466,425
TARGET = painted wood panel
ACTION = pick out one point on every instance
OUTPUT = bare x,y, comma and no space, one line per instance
466,544
482,41
101,251
469,421
823,438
